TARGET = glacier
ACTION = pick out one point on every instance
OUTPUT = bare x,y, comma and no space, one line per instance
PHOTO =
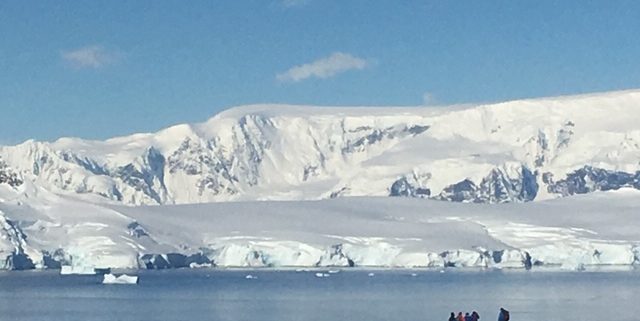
596,229
549,181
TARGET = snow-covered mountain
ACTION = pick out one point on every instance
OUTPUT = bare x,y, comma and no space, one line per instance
78,201
515,151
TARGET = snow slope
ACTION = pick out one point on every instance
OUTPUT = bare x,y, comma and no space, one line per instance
515,151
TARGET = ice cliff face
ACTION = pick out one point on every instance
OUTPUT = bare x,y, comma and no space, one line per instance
365,232
509,152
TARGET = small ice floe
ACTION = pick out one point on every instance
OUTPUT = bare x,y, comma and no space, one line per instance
78,270
414,274
441,271
250,277
333,271
119,279
322,275
573,266
195,265
371,274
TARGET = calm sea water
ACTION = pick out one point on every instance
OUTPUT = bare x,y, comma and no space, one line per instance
351,295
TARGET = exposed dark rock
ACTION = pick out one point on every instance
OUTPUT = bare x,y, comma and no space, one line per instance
543,149
309,171
527,261
417,129
497,187
87,163
176,260
136,230
378,135
18,261
172,260
198,258
53,261
7,176
148,178
359,144
204,160
337,254
402,187
459,192
497,256
529,188
338,193
588,179
153,262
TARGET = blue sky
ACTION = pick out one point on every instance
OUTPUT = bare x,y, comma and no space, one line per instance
97,69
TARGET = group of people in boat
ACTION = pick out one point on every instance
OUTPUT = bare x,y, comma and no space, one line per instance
503,315
474,316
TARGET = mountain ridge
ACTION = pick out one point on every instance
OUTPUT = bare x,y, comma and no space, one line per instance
290,152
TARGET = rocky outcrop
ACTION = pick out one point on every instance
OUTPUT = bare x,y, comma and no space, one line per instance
8,176
589,179
173,261
500,186
13,246
367,136
403,187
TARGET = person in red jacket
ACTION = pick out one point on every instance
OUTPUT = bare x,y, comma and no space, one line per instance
460,316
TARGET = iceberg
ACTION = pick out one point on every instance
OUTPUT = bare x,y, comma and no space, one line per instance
77,270
119,279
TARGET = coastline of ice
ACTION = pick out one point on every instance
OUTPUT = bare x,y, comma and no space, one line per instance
77,270
598,229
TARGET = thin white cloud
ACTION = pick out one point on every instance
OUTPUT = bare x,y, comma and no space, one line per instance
293,3
89,57
330,66
428,99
